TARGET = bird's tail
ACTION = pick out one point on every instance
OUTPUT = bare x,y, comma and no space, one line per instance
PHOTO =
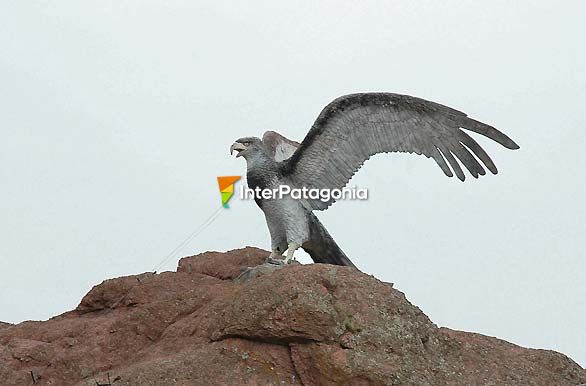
321,246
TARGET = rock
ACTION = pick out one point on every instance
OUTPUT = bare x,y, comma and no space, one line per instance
227,265
209,323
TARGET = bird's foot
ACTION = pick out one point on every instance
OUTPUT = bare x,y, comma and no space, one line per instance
271,260
275,257
281,261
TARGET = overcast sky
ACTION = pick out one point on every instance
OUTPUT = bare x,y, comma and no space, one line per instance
116,117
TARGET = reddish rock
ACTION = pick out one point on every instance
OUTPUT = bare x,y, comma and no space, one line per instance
226,265
298,325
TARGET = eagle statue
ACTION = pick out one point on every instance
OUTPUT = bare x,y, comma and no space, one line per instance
347,132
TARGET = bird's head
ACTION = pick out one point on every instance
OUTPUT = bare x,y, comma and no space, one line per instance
247,147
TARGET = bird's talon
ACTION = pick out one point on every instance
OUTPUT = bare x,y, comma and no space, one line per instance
270,260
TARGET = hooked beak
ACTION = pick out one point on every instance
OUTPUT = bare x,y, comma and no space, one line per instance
238,147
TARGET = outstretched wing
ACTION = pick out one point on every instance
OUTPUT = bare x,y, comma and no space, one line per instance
278,146
354,127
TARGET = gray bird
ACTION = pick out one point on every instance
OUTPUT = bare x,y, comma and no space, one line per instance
347,132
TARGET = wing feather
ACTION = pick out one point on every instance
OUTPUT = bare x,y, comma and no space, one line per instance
469,142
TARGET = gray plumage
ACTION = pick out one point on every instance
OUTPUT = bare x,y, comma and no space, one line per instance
348,132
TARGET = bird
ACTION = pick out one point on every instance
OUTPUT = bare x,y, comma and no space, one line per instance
346,133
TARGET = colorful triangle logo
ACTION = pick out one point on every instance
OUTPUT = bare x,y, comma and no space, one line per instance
226,185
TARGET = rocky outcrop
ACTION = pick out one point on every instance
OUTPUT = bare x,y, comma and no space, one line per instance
297,325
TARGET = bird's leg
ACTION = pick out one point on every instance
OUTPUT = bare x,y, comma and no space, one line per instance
292,247
276,254
274,257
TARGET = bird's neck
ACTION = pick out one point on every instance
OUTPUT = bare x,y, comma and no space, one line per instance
260,170
260,161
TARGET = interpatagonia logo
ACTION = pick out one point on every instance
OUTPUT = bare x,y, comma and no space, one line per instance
304,193
226,184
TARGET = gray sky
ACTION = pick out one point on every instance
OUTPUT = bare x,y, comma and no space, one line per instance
117,116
